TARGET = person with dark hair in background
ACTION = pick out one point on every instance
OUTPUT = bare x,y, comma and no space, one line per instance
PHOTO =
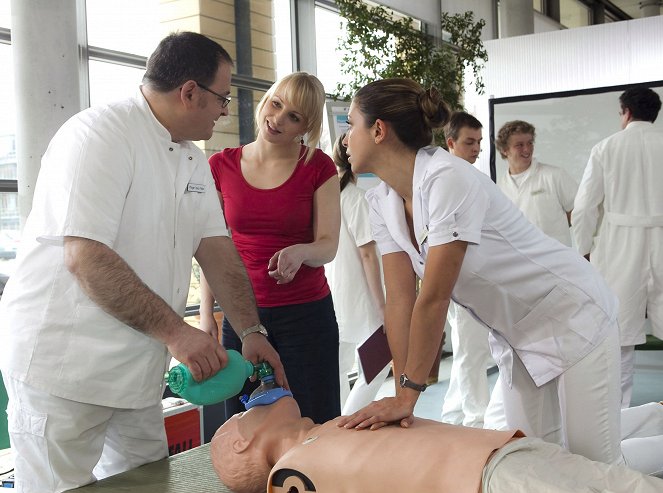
544,193
93,312
355,280
467,397
618,221
280,197
553,317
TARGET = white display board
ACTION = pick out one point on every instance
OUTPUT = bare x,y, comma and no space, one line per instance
568,124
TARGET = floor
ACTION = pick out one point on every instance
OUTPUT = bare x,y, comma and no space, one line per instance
647,384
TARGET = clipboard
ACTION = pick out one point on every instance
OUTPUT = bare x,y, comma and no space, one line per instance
374,354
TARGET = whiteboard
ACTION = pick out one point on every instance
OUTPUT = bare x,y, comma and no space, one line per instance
568,124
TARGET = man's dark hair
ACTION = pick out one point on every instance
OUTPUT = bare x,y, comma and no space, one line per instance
184,56
459,120
643,103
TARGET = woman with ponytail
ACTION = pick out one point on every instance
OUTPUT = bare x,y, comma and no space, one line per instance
551,317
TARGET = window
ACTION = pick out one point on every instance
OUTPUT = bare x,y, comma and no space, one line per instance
124,25
574,13
538,5
9,217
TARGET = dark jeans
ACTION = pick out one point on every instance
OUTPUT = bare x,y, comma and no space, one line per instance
306,338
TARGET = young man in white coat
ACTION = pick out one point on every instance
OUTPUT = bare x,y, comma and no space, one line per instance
467,398
618,220
544,193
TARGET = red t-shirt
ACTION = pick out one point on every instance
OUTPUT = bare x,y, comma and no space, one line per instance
263,222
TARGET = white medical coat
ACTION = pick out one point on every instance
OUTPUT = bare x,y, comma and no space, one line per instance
356,313
539,297
545,196
110,174
618,219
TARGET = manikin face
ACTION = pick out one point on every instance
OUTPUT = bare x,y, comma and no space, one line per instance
281,122
246,447
359,141
519,150
210,108
468,144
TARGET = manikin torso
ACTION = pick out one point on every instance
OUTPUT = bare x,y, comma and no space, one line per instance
427,457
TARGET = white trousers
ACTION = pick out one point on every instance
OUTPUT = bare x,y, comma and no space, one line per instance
579,410
362,393
467,397
628,367
531,465
642,438
60,444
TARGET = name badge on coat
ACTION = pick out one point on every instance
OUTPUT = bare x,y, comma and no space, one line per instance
196,187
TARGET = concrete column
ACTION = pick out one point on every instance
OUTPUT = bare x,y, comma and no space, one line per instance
46,76
650,8
516,18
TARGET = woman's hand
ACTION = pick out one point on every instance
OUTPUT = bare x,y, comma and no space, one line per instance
285,263
208,324
383,412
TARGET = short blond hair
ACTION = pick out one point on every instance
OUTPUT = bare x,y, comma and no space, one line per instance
307,94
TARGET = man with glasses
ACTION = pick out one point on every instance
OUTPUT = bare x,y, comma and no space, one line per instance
618,220
90,317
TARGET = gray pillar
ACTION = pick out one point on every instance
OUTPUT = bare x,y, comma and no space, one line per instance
650,8
45,46
516,18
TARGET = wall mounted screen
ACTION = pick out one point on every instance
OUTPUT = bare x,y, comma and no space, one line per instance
568,124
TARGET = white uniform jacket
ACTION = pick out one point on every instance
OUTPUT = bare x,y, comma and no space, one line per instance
110,174
539,297
545,196
356,313
618,219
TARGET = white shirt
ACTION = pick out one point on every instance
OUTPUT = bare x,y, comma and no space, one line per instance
545,195
356,313
540,298
110,174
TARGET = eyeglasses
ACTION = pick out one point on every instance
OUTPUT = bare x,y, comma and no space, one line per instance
223,100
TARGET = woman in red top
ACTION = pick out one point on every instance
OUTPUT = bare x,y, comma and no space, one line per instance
281,201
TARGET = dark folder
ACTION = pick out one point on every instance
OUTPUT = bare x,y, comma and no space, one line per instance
374,354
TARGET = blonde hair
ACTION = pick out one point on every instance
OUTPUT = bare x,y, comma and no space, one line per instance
306,93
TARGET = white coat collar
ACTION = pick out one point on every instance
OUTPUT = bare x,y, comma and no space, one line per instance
637,123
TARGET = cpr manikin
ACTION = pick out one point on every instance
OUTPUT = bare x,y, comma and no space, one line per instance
273,448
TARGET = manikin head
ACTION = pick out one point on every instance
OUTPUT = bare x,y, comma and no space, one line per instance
246,447
463,134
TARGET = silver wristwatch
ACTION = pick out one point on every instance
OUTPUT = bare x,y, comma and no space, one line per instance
250,330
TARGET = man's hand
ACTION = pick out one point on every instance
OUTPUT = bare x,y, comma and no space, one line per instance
202,354
256,348
383,412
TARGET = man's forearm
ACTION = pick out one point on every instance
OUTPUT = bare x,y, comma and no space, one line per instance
226,275
111,283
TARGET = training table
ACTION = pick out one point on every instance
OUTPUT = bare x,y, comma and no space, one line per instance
189,471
